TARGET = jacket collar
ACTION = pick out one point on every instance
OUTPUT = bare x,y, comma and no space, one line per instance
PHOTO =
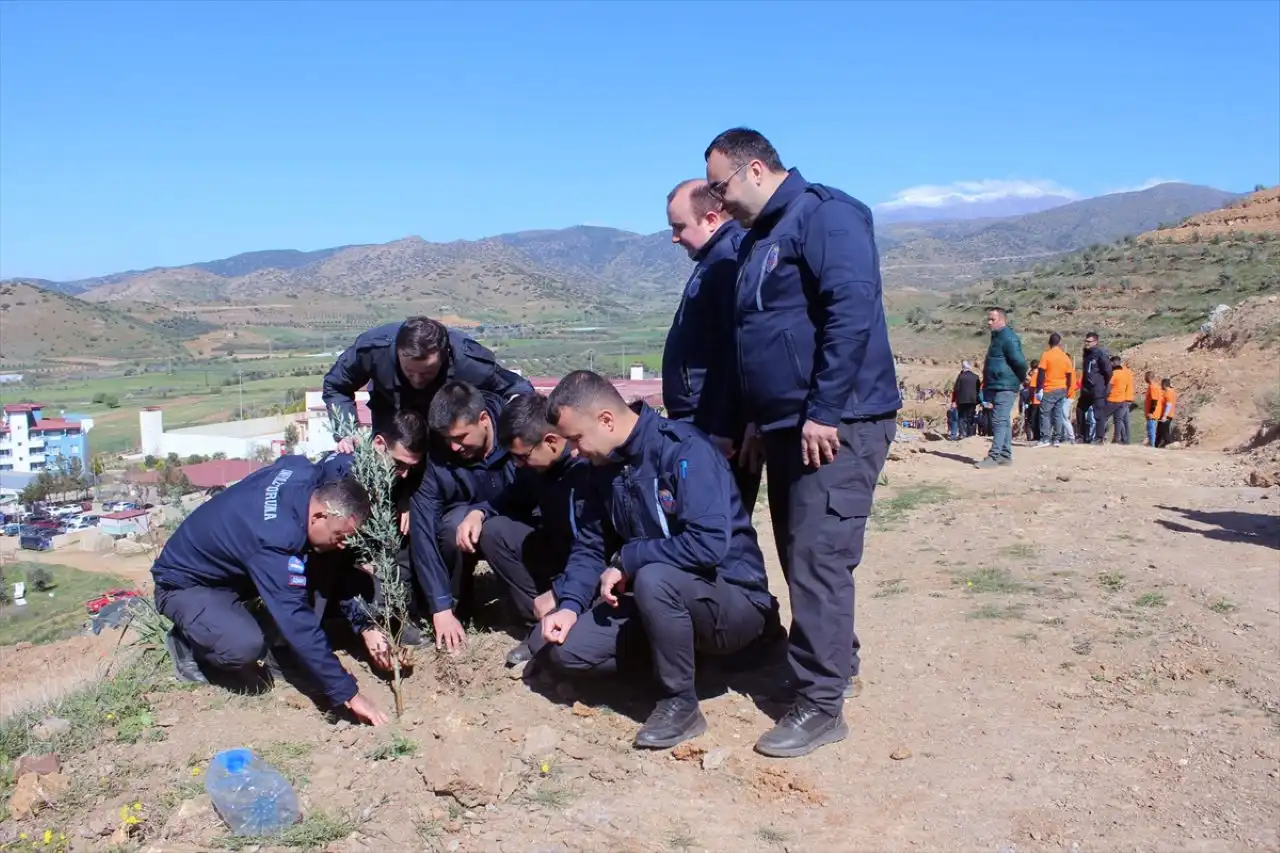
631,451
791,189
728,227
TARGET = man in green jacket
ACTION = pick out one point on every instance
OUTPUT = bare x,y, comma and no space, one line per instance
1002,375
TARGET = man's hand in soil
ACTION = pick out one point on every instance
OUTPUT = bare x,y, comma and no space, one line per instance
449,632
544,605
379,649
365,710
556,627
469,531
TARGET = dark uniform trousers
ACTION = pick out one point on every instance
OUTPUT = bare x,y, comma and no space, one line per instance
669,615
819,522
460,564
217,625
524,557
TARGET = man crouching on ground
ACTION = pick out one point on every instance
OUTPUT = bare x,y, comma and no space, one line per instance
689,558
253,540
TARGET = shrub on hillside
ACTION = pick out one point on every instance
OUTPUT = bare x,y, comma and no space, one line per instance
41,579
1270,405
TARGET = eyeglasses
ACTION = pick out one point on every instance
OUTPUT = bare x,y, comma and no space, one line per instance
717,189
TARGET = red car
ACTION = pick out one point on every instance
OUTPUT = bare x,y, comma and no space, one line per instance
93,605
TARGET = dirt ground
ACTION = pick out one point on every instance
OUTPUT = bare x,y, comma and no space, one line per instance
1081,652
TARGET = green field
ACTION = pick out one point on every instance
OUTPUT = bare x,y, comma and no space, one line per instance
55,614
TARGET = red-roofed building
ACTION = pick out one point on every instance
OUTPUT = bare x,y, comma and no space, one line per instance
215,472
129,522
30,442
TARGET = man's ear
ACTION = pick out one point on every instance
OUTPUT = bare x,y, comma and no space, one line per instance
606,419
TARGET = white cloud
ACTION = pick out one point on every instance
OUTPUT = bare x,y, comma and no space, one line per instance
961,192
1145,185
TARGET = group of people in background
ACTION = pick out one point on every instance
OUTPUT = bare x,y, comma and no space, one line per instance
623,538
1056,402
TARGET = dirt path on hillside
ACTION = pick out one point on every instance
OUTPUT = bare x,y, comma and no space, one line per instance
1081,652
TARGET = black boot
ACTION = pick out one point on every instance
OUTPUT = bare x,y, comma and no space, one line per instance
674,720
185,666
802,729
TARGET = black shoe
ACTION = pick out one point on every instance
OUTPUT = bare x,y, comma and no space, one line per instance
411,636
519,654
674,721
185,666
853,689
802,730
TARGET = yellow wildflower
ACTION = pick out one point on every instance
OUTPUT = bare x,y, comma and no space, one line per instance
48,836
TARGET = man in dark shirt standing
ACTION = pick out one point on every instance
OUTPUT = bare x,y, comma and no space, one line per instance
817,378
697,361
965,396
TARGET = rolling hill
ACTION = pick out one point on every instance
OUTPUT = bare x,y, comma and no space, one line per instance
1164,282
38,324
606,272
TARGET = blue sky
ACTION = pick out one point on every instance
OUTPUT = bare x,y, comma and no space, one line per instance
141,134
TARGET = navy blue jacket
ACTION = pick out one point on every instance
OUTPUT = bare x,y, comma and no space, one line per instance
252,538
557,497
372,360
698,356
812,341
671,499
1096,367
449,483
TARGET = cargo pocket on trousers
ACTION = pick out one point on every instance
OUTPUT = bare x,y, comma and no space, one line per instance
713,635
845,523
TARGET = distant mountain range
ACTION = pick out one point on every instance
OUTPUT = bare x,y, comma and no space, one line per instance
607,271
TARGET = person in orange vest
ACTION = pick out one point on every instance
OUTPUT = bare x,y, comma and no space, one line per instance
1119,402
1053,382
1153,406
1168,400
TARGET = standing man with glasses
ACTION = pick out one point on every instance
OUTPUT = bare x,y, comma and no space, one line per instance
816,376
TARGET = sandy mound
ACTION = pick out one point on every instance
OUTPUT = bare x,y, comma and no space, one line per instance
1257,213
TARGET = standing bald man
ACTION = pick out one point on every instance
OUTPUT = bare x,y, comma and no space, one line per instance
697,361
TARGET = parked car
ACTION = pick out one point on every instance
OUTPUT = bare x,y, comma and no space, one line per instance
12,529
35,542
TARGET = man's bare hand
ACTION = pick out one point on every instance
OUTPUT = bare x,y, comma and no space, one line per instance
544,605
613,583
556,626
379,648
365,710
449,631
819,444
404,523
469,531
347,445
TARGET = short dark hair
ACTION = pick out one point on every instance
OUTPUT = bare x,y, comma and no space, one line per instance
580,389
1055,339
700,197
406,429
456,401
1165,383
420,337
524,417
344,498
997,309
742,145
1093,335
1115,361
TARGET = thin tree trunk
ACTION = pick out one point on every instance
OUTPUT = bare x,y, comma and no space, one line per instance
396,685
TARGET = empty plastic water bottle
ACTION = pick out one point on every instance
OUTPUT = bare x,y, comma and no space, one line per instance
249,794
